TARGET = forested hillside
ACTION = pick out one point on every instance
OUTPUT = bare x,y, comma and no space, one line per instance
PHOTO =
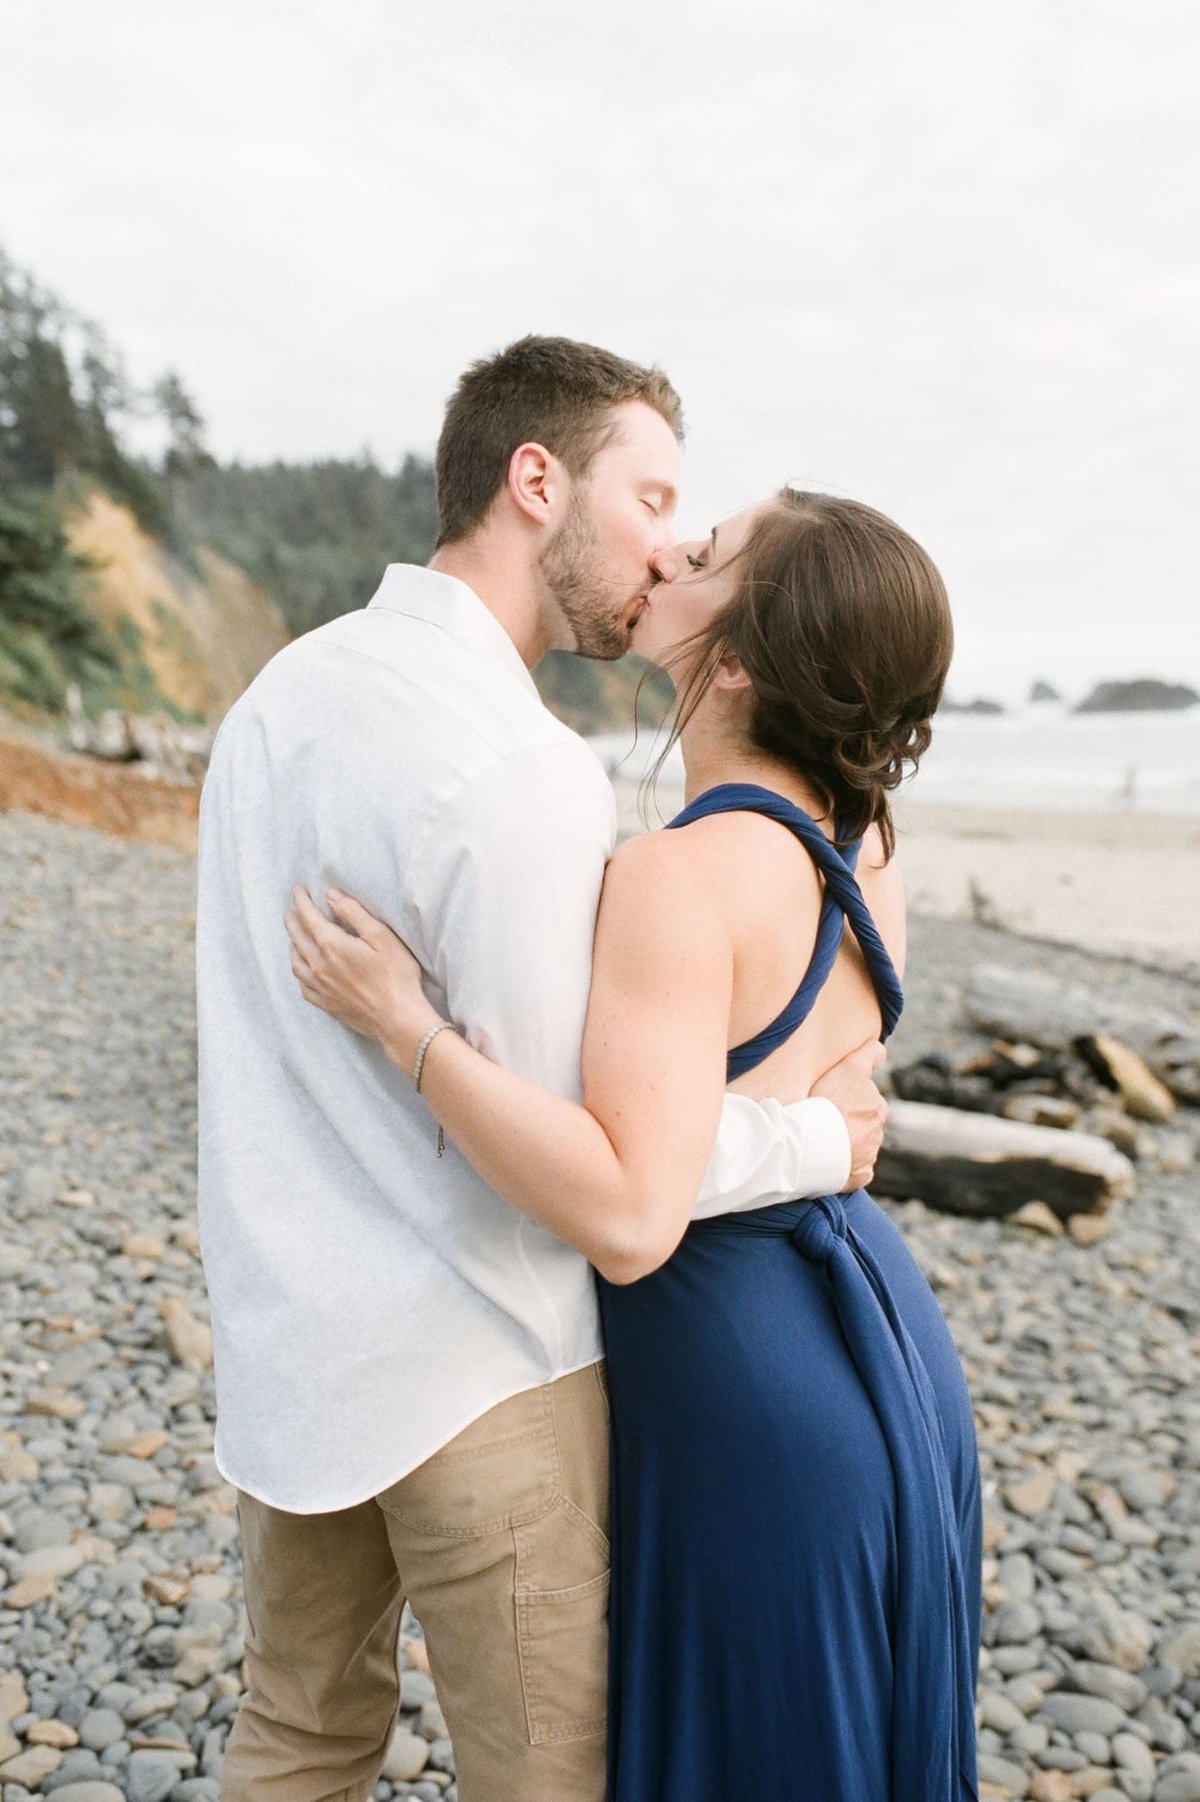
316,535
165,580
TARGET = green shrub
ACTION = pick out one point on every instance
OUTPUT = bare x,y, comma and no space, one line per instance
48,636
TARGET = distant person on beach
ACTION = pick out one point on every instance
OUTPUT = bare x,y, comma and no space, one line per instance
411,1397
796,1524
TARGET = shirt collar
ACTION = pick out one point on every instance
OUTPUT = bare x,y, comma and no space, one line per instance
448,602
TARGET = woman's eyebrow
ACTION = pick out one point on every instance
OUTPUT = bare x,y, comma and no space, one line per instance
713,539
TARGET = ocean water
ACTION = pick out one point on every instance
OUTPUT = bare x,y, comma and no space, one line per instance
1039,756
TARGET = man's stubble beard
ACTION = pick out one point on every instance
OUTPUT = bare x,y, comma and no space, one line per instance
570,566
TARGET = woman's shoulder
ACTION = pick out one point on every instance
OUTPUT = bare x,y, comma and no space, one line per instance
724,866
667,873
714,844
658,857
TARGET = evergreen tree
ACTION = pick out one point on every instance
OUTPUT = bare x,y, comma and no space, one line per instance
64,398
48,637
186,450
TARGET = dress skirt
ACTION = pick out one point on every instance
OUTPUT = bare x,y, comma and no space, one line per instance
796,1520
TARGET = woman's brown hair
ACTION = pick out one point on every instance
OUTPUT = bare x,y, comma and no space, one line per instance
842,624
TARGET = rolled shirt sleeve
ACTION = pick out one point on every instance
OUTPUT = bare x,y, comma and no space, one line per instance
767,1151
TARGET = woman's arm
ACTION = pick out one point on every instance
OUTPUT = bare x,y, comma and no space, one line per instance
618,1176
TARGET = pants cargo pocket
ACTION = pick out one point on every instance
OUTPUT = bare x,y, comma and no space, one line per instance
562,1642
561,1586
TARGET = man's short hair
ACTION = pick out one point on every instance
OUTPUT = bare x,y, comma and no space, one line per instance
550,391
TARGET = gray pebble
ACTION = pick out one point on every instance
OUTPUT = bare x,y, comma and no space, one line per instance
1182,1648
101,1728
39,1528
1060,1758
1026,1691
996,1710
1162,1679
441,1755
212,1751
1016,1623
77,1764
1178,1786
87,1792
431,1723
1013,1661
415,1689
1010,1777
151,1777
1167,1731
1082,1714
1141,1490
1030,1736
1133,1755
1114,1685
1016,1575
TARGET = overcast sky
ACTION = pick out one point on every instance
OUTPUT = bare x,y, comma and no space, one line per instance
943,258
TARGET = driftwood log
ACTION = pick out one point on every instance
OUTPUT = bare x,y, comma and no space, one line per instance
981,1165
162,748
1040,1011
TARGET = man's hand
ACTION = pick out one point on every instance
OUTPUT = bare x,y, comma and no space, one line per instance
849,1086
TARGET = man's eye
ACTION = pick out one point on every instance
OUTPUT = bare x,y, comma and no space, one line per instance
651,506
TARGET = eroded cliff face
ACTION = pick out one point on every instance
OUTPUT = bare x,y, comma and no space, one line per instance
116,798
202,635
189,639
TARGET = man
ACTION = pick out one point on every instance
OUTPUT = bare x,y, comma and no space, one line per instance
411,1397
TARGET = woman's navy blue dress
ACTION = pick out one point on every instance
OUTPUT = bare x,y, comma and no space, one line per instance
796,1500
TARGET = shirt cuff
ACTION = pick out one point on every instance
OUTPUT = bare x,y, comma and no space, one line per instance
767,1152
826,1146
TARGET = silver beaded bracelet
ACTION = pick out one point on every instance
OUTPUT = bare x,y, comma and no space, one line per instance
419,1065
423,1047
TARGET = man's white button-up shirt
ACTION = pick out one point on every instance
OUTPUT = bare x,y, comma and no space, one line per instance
368,1299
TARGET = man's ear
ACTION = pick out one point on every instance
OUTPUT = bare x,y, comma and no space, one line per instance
537,482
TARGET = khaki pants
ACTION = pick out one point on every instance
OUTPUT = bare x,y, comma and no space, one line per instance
500,1543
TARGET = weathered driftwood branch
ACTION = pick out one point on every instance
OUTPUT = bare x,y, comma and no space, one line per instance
1042,1011
981,1165
160,746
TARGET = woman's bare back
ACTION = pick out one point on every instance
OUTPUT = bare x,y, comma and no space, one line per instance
770,893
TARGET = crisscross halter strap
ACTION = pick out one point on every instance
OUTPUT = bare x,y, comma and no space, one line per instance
842,901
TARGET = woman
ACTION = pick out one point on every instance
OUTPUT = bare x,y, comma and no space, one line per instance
796,1513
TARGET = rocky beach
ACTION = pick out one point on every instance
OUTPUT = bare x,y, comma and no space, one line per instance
120,1616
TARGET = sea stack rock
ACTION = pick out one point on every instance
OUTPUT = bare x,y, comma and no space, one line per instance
1143,694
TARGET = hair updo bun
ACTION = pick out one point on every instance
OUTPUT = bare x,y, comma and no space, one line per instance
842,624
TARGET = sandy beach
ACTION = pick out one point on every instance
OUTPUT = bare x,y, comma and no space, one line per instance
1124,884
